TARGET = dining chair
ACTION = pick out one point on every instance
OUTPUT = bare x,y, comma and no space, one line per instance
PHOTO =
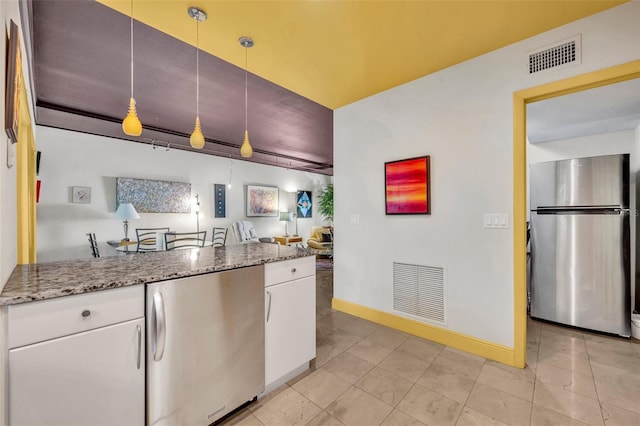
219,237
93,244
147,238
174,240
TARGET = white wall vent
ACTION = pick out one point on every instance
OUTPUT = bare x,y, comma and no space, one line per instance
419,291
559,55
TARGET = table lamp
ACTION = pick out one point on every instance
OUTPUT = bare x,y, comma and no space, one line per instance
286,217
125,212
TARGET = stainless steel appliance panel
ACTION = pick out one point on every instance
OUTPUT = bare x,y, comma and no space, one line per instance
205,348
579,273
579,182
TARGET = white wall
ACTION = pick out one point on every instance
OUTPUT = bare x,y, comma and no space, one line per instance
463,118
76,159
623,142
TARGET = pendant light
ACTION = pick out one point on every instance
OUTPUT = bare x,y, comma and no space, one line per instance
246,150
131,124
197,138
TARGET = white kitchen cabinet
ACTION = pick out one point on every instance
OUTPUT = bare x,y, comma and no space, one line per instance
79,371
290,319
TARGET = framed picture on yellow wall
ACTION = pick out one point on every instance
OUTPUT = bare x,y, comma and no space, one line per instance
12,84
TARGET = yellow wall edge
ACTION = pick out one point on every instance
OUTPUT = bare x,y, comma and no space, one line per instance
456,340
521,98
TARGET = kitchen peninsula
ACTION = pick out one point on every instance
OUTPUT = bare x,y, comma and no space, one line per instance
222,324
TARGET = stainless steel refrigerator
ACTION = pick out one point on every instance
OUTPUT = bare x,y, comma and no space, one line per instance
580,249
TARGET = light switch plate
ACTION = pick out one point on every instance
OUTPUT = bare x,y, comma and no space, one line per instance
496,220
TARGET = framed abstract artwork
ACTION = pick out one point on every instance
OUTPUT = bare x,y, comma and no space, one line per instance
154,196
262,201
304,205
407,186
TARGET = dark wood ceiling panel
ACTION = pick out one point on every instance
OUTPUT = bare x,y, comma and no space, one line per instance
82,82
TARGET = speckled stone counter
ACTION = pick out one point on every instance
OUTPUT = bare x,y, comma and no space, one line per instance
55,279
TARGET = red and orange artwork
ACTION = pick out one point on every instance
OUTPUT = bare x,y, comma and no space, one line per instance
407,186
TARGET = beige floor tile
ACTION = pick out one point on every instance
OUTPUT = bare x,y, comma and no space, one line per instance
567,380
348,367
613,373
499,405
452,375
420,348
385,385
625,359
357,408
563,330
568,403
566,362
288,408
471,417
243,418
325,353
339,339
430,407
340,319
518,382
533,336
398,418
615,416
449,349
361,327
623,393
324,419
635,345
541,416
565,344
404,365
387,337
370,351
321,387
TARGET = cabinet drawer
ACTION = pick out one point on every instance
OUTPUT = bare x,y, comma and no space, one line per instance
47,319
287,270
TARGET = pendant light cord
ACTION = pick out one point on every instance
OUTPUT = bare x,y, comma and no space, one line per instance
131,32
197,68
245,89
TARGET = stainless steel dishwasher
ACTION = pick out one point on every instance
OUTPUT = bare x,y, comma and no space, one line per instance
205,346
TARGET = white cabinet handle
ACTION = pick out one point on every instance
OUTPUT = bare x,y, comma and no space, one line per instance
269,306
158,327
86,313
139,344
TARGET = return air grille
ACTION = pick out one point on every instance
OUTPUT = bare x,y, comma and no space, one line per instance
419,291
559,55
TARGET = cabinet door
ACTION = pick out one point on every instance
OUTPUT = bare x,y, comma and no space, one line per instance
90,378
290,332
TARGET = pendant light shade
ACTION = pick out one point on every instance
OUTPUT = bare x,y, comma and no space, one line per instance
131,124
197,138
245,149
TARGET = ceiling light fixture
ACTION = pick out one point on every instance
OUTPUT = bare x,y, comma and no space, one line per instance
131,124
246,150
197,138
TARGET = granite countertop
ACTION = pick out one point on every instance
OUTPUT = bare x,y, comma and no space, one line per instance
48,280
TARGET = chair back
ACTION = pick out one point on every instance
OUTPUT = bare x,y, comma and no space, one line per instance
174,240
147,238
93,244
219,237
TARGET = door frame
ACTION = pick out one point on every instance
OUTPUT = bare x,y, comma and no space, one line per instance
611,75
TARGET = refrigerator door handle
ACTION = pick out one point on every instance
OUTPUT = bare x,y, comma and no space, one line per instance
158,327
139,329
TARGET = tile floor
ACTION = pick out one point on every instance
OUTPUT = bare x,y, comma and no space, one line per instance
366,374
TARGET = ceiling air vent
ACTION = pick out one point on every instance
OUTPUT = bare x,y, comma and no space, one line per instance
419,291
559,55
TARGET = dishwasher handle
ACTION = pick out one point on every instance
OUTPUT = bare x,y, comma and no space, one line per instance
158,327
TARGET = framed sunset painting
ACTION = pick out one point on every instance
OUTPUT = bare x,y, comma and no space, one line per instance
407,186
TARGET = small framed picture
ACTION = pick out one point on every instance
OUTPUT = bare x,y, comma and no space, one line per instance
81,194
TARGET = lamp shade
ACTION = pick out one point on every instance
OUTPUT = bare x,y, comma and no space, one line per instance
126,211
286,216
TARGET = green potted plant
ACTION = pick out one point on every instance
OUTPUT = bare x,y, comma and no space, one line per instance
325,207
